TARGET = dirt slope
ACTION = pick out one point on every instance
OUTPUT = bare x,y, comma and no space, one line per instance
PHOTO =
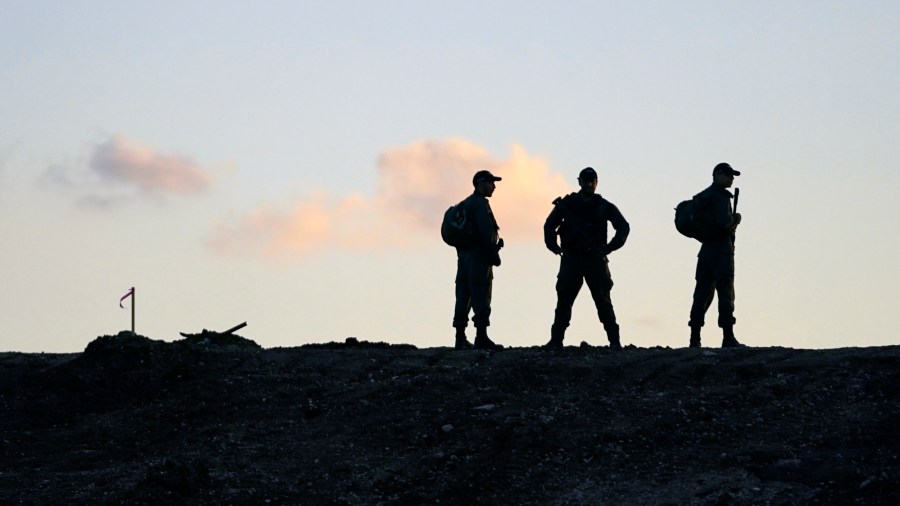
222,421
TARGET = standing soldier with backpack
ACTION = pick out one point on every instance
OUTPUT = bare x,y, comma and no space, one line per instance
476,256
580,219
715,262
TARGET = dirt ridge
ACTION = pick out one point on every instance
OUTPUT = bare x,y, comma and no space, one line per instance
205,421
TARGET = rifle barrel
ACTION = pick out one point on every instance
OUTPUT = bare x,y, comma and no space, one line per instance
235,328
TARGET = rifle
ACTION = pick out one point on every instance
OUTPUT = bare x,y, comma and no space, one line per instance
205,332
737,193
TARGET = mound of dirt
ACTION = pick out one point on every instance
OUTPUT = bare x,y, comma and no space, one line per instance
137,421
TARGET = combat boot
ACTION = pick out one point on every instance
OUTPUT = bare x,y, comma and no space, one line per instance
728,339
483,342
612,333
695,336
461,342
556,338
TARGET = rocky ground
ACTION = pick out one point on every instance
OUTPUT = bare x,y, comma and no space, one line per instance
216,419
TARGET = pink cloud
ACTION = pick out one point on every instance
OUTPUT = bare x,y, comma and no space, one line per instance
282,232
419,182
416,184
122,160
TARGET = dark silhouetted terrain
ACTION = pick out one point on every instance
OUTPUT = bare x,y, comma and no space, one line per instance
137,421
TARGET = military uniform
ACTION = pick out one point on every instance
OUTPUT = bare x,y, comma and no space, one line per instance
582,227
474,265
715,262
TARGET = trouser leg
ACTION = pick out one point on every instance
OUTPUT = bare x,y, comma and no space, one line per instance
600,283
474,279
704,290
724,280
568,284
463,295
481,287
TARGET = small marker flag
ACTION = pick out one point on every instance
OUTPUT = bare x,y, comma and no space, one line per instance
129,294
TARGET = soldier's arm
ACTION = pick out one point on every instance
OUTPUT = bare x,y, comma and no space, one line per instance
484,226
622,229
550,227
722,217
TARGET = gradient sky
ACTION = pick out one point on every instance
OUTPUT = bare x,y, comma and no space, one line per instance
287,164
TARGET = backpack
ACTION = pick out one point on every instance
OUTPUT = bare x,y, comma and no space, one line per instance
692,218
456,229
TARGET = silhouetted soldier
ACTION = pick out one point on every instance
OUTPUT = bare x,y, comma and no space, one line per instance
581,220
475,263
715,262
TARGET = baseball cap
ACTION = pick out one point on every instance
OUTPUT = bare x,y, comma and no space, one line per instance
484,175
587,174
725,168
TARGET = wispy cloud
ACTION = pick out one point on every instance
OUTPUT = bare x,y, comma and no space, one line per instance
121,160
320,221
120,168
416,184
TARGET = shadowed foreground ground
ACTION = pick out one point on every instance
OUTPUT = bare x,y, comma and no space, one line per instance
225,422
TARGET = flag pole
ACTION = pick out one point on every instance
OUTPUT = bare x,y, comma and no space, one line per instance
129,294
133,298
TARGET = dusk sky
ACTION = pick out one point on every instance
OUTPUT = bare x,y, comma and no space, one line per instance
287,164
